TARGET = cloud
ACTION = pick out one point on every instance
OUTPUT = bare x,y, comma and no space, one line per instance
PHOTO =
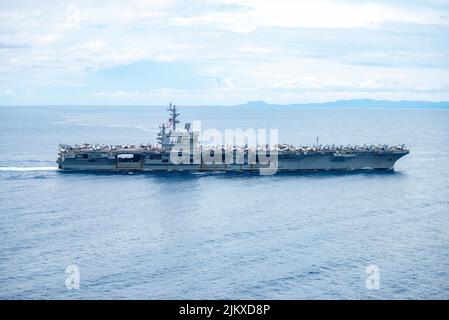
222,51
45,39
311,14
94,45
6,91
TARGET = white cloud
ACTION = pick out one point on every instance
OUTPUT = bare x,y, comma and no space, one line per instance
6,91
94,45
310,14
45,39
267,55
116,94
256,49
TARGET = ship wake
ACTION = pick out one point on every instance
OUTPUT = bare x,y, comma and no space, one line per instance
17,169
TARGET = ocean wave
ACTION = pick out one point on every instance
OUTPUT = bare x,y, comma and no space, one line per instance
81,123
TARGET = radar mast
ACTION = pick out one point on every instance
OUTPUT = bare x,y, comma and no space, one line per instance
173,120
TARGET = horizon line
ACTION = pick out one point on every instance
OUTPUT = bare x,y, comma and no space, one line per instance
248,103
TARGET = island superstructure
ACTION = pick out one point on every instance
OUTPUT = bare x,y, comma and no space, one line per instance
167,156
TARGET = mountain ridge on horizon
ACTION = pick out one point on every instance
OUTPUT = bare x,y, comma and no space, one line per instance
357,103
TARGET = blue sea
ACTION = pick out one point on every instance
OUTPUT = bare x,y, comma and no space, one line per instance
224,236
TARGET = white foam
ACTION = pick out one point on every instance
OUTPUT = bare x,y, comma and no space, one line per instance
28,168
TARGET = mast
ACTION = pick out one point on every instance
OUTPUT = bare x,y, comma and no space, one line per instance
161,134
165,131
173,120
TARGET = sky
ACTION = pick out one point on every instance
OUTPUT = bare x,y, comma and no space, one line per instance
222,52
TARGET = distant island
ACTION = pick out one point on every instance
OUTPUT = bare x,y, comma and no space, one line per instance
358,103
353,103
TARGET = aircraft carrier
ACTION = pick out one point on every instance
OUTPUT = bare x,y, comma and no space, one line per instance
179,150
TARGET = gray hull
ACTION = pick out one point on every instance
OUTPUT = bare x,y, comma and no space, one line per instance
359,161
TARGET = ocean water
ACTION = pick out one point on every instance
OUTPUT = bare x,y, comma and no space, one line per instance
223,236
